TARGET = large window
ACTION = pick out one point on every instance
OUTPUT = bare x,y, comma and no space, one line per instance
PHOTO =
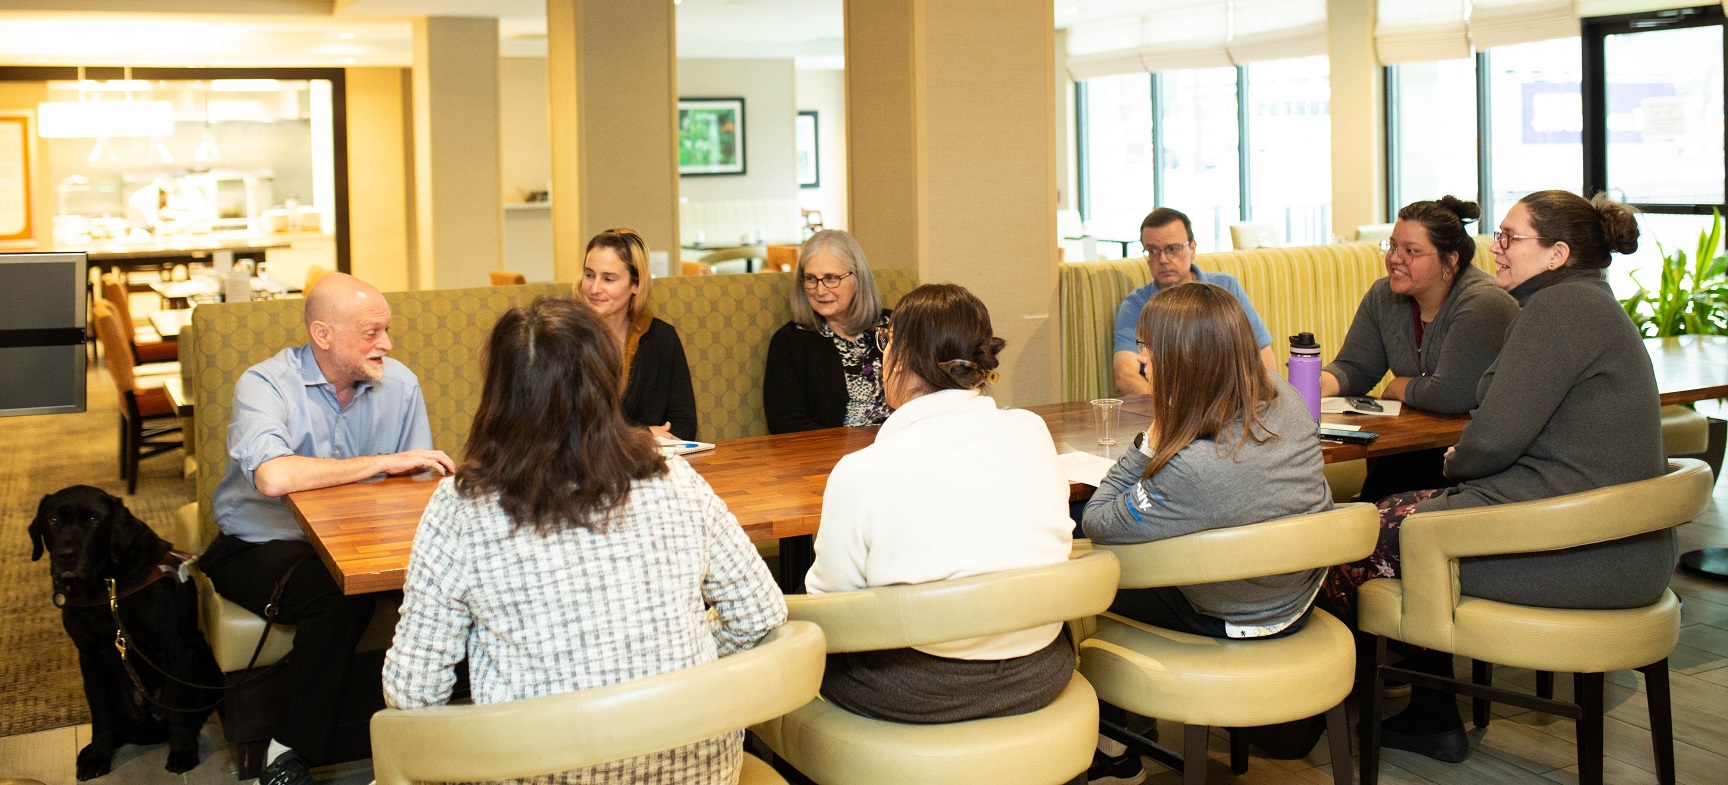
1118,139
1201,162
1432,124
1195,122
1290,144
1537,115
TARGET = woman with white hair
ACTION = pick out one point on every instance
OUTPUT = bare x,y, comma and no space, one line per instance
824,370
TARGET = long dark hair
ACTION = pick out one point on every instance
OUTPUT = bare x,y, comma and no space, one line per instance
942,337
1205,370
549,439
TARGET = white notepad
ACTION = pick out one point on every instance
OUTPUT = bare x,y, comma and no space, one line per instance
1084,467
682,447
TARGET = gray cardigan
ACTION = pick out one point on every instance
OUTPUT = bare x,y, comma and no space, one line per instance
1203,488
1457,346
1570,405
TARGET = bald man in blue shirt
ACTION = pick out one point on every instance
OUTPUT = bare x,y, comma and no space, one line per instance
334,411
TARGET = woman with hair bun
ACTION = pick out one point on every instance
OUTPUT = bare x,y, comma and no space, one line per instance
952,487
1572,371
1435,322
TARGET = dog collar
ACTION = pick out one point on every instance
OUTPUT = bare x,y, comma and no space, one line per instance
174,563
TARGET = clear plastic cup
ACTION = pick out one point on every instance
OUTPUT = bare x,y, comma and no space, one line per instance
1106,412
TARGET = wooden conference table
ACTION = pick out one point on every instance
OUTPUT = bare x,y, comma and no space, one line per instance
774,484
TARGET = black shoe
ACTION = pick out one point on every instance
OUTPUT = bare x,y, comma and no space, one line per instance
287,769
1124,769
1450,746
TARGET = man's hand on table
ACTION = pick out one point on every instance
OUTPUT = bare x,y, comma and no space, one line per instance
413,461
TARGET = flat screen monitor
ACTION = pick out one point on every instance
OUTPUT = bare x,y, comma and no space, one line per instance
42,359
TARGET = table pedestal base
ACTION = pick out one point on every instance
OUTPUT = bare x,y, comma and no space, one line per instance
1708,562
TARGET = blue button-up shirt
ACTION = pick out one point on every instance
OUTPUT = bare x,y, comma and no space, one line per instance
1128,314
285,406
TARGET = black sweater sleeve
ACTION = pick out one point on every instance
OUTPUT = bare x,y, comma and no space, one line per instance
785,399
659,389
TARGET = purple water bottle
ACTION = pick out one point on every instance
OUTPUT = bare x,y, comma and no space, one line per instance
1305,370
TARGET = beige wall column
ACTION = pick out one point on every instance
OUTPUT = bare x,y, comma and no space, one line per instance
614,113
381,176
1358,111
459,223
951,139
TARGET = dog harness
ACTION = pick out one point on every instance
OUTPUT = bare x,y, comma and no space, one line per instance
174,563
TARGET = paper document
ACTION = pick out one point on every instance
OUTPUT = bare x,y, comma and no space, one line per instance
681,447
1084,467
1336,405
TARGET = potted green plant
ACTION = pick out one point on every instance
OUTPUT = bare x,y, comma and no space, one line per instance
1692,297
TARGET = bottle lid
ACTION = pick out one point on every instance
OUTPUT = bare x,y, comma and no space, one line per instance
1303,341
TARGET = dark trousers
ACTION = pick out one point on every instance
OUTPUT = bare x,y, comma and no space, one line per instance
907,685
327,626
1403,472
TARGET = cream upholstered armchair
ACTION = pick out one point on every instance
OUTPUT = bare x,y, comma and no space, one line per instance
574,730
1201,681
1054,744
1424,608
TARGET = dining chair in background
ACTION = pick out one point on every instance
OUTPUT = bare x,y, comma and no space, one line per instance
148,423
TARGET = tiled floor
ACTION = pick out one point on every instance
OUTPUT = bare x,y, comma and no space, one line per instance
1518,747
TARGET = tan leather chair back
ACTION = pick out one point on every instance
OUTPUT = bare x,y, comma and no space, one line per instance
1431,543
1301,542
114,291
555,733
507,278
697,268
893,617
116,350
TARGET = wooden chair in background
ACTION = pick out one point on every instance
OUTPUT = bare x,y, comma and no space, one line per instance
507,278
147,417
142,343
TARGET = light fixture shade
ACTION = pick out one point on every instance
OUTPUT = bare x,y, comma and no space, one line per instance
104,119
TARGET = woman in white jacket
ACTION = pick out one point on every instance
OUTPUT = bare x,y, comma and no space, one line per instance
952,487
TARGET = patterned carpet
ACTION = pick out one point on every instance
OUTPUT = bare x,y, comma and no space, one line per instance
39,683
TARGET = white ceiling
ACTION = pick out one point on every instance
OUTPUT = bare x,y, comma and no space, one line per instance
377,32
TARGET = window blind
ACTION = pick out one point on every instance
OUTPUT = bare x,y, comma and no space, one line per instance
1506,22
1276,29
1179,34
1414,31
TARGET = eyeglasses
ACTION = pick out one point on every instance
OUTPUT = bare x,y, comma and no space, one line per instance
1154,252
1504,239
830,281
884,336
1405,253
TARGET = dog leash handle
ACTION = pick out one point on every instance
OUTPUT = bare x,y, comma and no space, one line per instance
114,607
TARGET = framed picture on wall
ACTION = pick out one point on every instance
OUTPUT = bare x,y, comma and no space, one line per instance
809,154
710,136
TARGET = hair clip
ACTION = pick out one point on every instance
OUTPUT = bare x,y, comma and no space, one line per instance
989,377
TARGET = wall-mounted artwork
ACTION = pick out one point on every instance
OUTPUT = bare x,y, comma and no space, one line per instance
809,153
710,136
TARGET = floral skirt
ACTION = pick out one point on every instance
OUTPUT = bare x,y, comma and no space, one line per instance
1338,591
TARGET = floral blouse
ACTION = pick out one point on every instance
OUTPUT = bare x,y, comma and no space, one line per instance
861,362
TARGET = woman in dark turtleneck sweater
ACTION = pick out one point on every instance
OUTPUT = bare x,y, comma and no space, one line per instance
1570,405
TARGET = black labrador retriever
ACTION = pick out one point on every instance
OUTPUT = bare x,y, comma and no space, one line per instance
91,537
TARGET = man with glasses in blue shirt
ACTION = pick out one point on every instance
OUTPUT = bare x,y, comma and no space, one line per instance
1168,239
